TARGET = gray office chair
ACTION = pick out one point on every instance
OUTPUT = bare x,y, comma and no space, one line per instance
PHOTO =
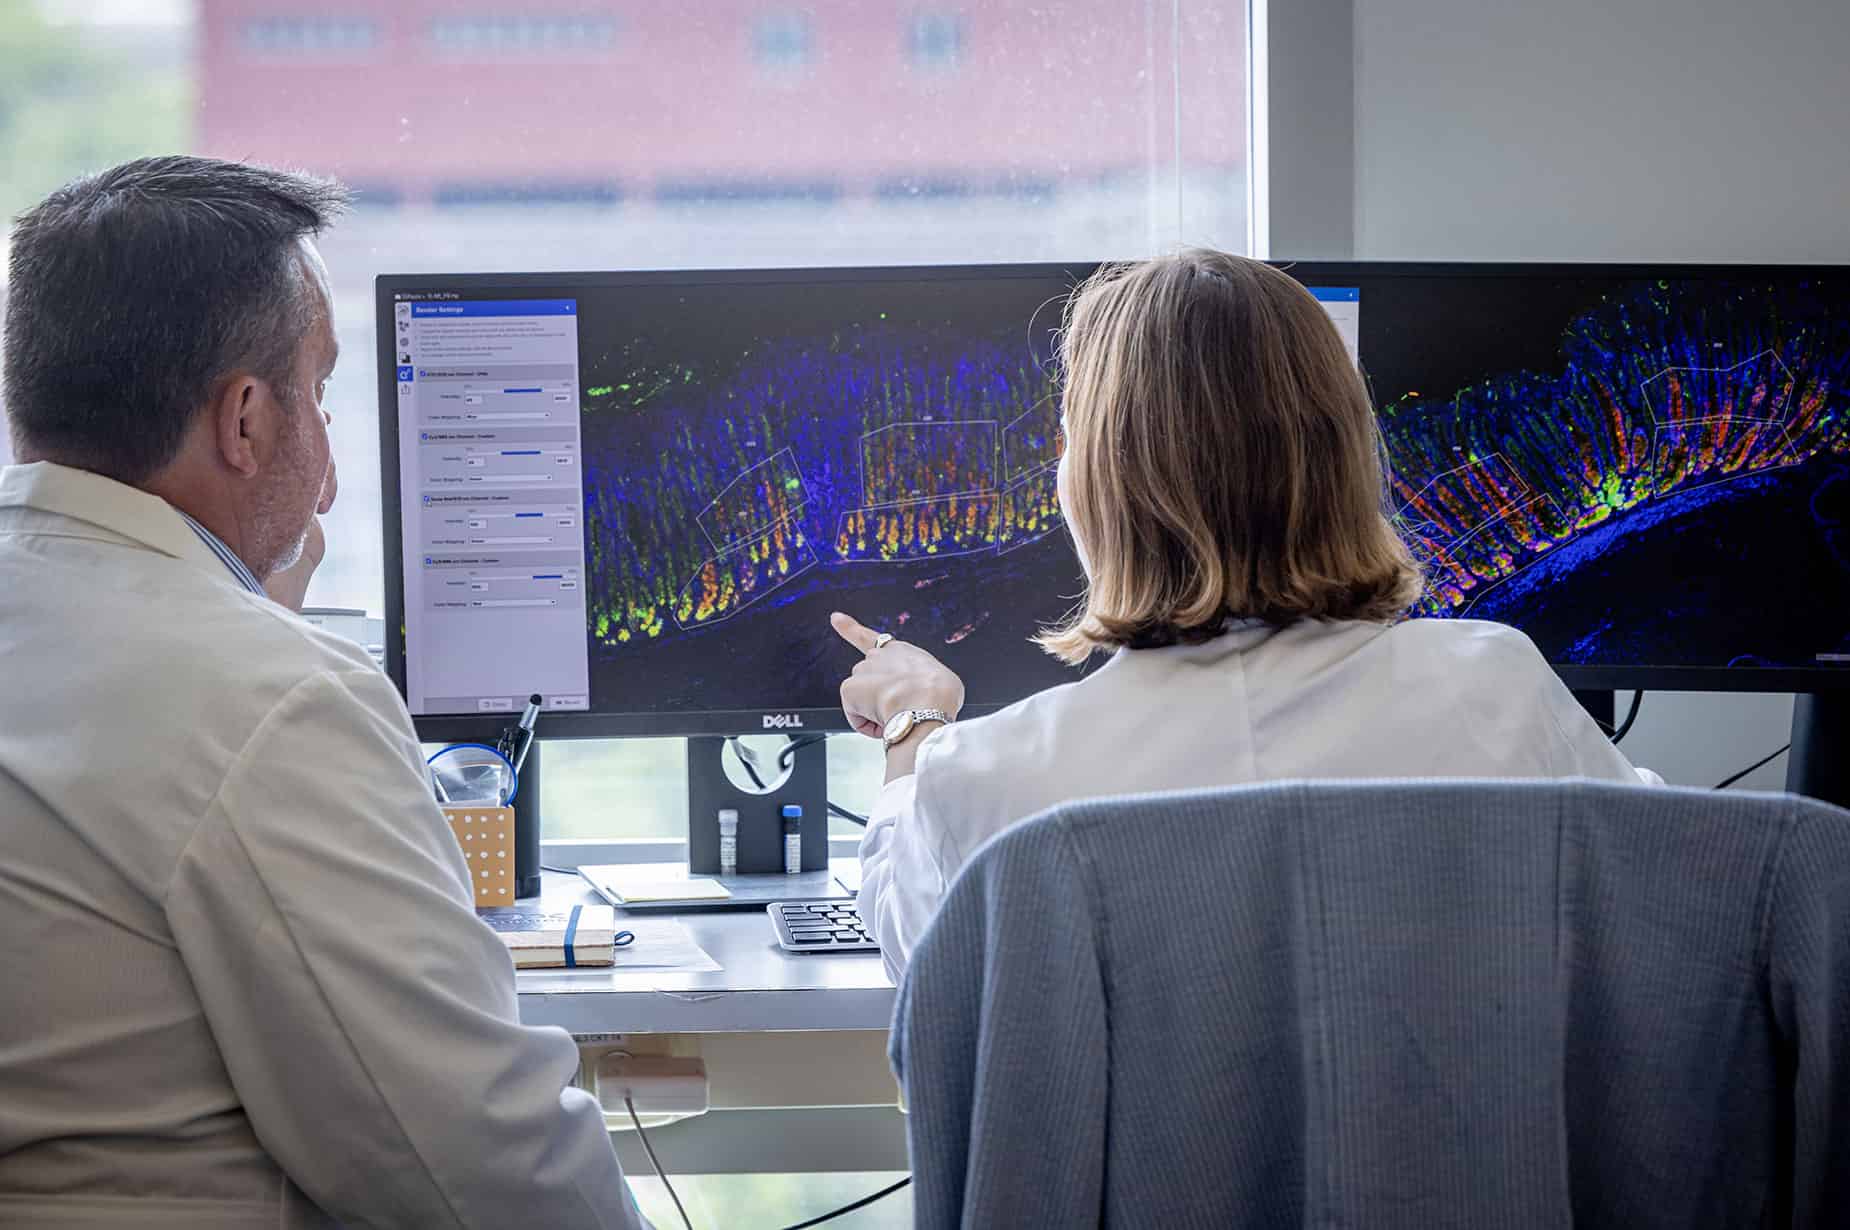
1425,1004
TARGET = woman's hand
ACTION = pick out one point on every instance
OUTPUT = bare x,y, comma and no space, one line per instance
892,678
330,487
290,586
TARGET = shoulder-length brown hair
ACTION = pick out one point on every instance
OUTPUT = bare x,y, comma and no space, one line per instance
1222,459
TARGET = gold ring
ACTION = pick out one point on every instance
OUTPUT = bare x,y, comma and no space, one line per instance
883,640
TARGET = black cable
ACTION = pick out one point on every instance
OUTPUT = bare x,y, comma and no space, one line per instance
1631,715
655,1163
836,809
1729,781
862,1203
650,1150
564,871
745,761
795,745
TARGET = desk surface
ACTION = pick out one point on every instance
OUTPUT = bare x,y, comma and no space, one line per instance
759,987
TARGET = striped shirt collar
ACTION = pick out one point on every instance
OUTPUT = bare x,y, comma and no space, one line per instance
225,554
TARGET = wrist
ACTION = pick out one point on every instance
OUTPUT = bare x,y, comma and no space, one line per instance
907,726
946,704
916,735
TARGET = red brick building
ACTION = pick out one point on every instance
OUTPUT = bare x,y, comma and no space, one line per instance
454,101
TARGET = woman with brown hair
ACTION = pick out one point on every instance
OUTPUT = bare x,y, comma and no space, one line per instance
1223,483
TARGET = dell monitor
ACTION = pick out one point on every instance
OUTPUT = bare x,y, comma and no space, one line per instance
641,495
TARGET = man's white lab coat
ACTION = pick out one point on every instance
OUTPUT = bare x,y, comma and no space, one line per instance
242,979
1424,698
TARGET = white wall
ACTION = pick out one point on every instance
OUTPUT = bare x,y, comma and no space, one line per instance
1672,130
1696,130
1310,117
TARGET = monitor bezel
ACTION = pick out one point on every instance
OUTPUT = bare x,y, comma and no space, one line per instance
593,725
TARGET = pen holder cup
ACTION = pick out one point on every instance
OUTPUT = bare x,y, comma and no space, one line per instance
486,837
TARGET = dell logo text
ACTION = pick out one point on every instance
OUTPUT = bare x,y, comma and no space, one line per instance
782,721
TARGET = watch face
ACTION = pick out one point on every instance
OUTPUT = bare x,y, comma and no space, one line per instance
898,725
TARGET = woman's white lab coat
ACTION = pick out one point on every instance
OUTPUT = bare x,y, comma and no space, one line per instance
1425,698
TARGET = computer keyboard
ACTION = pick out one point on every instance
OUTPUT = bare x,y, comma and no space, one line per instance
819,926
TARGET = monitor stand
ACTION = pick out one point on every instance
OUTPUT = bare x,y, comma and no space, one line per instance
761,824
1819,766
527,826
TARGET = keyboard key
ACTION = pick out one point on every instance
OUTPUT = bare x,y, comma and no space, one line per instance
810,940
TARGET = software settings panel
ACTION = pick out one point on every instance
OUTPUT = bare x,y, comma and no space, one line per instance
1343,304
491,471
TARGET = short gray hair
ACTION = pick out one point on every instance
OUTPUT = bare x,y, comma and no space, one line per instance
133,292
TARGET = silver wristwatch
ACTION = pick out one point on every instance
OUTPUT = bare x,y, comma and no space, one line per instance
900,726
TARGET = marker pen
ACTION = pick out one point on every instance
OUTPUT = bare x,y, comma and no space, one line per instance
527,718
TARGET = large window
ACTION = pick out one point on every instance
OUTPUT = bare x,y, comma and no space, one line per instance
489,135
582,134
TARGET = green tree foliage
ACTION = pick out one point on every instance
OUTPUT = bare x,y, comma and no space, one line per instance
77,98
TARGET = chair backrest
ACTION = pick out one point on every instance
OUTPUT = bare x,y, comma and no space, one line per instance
1389,1004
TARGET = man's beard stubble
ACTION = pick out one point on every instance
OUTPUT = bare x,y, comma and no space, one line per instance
279,521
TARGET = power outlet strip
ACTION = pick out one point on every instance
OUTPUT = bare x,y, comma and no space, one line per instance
657,1084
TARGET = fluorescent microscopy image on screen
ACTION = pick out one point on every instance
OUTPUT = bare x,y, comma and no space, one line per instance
753,464
1670,493
1643,474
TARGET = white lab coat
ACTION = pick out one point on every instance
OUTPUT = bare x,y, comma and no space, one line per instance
1426,698
243,982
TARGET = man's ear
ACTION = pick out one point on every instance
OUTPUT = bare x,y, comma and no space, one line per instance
241,427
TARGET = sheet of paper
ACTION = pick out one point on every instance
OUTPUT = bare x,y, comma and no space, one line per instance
663,945
650,882
663,950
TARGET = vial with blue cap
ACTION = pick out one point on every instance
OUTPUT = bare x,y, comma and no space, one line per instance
793,839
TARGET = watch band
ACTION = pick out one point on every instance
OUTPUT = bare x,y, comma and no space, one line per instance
916,715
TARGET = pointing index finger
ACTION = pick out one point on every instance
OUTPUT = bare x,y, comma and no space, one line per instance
850,630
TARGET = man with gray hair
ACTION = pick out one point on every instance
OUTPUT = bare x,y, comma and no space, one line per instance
245,983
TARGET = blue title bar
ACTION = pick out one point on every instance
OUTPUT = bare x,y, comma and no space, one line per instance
1336,294
498,307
